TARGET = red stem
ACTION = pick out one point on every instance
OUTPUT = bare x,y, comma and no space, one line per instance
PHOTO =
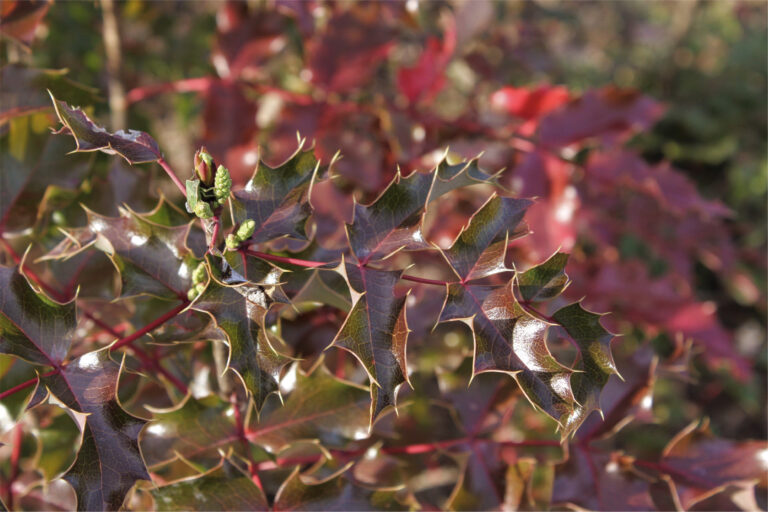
149,327
201,84
172,174
252,466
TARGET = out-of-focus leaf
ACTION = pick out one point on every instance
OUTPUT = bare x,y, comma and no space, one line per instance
529,103
58,444
14,371
319,407
19,19
701,464
597,113
23,90
278,199
196,429
215,490
376,332
517,495
346,53
239,311
544,281
135,146
340,493
152,259
108,462
32,326
480,249
598,481
427,77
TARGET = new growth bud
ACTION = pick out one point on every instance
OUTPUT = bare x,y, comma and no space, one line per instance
204,166
232,242
199,274
222,184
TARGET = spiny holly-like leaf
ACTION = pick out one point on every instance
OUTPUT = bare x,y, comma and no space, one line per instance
509,339
544,281
135,146
339,493
596,363
376,331
393,221
214,490
32,326
239,311
701,464
151,258
278,198
108,462
195,429
319,407
480,248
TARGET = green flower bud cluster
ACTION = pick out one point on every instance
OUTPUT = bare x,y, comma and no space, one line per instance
222,184
198,281
243,233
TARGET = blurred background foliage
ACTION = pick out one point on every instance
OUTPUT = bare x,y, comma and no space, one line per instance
704,60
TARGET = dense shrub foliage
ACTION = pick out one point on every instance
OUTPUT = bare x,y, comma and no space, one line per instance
402,307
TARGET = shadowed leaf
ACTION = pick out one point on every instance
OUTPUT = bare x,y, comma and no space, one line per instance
152,259
320,407
239,311
544,281
376,332
215,490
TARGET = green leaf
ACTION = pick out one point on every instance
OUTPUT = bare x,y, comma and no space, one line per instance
319,407
544,281
215,490
376,331
152,259
135,146
339,493
108,462
239,311
32,326
195,429
596,363
278,198
480,248
393,221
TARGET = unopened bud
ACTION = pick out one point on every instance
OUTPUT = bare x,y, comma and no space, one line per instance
192,293
204,166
